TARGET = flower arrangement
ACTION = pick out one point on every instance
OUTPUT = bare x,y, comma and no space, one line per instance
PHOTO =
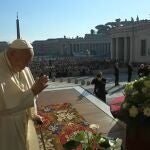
136,107
90,139
64,128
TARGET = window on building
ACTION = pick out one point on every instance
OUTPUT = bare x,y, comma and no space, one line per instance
143,47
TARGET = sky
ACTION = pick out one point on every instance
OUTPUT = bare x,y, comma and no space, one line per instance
45,19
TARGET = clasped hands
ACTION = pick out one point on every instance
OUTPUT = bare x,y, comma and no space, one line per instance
40,84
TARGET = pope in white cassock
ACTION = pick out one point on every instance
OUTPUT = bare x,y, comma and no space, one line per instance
17,95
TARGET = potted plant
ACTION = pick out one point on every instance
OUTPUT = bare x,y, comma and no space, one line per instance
135,112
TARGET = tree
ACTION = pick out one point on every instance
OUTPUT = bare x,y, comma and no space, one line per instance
102,29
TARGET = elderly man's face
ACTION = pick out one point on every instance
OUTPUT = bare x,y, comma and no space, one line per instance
142,66
22,59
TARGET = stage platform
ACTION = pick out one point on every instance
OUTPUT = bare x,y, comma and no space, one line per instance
90,107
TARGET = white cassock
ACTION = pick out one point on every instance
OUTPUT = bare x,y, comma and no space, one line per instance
17,130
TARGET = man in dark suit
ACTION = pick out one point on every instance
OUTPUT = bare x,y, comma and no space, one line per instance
99,87
130,70
116,73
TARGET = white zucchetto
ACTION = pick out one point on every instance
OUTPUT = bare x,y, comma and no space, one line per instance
21,44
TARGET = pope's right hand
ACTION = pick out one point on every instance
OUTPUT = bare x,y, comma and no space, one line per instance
40,84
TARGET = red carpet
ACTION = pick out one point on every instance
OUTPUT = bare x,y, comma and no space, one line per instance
116,103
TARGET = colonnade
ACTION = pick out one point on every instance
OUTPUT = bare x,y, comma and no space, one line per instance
94,48
122,48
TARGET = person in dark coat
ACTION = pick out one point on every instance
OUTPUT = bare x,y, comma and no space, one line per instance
141,71
116,73
130,70
99,87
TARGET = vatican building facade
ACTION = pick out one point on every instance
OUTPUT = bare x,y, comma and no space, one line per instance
124,41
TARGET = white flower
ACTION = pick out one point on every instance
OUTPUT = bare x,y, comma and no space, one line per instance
124,105
133,111
135,92
63,115
94,127
119,141
146,111
141,79
60,119
70,116
53,128
47,109
115,145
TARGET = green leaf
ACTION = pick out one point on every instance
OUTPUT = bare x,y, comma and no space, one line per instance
71,145
82,136
97,137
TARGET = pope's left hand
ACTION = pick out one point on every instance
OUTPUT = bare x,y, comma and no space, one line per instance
40,84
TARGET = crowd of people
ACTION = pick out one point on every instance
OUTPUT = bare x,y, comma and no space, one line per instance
68,67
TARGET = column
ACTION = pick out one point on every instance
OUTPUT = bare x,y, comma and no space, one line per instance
125,50
73,47
113,49
131,48
80,47
104,49
117,48
88,46
92,47
109,51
